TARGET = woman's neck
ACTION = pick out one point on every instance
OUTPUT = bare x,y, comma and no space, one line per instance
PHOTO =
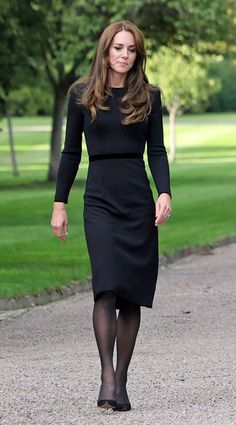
116,80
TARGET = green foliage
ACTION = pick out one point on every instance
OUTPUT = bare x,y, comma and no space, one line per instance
65,34
9,48
177,22
183,79
63,41
31,101
225,72
57,38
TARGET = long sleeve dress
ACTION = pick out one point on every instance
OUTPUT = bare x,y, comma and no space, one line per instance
119,208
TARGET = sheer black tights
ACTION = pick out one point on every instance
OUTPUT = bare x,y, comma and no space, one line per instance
104,323
127,329
107,329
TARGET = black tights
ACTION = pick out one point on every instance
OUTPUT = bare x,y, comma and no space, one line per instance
107,329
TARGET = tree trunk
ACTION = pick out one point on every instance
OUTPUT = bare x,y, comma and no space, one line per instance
11,140
172,121
56,135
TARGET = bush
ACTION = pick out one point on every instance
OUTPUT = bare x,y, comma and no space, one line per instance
225,99
31,101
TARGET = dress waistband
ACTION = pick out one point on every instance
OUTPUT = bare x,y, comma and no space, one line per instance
115,155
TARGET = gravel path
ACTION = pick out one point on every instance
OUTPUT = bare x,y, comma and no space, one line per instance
183,369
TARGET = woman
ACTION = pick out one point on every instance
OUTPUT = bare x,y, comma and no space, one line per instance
119,113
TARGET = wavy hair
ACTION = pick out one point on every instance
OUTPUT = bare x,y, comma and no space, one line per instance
136,102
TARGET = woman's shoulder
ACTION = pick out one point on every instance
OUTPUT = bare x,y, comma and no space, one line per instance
155,96
77,88
154,91
153,88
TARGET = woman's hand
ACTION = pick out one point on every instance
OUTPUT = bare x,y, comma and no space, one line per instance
163,208
59,221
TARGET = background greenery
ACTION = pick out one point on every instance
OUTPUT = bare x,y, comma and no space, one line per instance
204,193
64,39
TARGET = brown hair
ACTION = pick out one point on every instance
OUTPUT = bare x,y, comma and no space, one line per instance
136,103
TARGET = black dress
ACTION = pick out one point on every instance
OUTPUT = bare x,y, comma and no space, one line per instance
119,208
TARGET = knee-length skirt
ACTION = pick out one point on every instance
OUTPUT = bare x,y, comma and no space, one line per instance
120,231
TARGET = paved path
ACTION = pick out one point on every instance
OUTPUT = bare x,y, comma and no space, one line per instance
183,370
30,128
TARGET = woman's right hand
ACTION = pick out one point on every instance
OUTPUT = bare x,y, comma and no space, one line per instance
59,221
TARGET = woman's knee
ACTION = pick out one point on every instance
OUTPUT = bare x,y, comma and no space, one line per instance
106,298
128,306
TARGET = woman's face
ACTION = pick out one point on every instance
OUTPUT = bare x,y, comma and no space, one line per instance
122,52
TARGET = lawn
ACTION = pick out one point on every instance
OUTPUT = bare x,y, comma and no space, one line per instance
204,202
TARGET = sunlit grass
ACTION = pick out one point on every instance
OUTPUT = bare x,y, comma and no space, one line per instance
200,138
23,121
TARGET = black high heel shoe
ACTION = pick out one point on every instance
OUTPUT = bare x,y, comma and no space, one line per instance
107,404
122,407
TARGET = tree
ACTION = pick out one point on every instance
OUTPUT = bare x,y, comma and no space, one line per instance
184,82
8,70
27,100
225,71
60,25
63,42
65,33
191,22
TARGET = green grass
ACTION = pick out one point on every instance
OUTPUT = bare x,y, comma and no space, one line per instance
204,204
22,121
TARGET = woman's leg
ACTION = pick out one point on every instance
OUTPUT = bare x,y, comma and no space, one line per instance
127,329
105,325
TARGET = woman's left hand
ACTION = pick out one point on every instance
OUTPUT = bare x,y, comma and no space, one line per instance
163,208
